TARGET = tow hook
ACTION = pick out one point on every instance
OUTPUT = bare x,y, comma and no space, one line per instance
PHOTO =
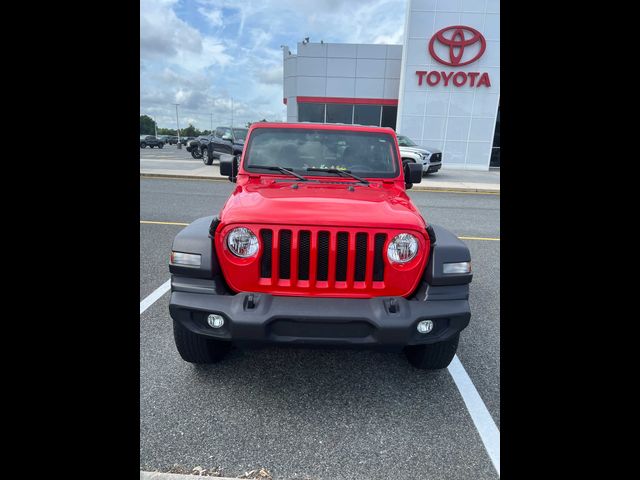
249,302
392,305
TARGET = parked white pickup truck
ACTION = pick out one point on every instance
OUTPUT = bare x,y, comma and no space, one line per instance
429,158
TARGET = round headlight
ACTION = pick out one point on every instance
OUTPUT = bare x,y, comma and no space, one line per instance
242,242
402,248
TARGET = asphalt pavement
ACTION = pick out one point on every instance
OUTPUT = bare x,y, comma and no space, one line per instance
315,413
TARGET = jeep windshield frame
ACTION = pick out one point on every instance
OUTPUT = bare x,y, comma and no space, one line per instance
366,154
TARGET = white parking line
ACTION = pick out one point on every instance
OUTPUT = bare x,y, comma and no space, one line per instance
481,417
155,295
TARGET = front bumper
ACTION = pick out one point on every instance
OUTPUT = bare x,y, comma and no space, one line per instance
379,321
431,167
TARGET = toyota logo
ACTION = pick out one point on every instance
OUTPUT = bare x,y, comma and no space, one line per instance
457,42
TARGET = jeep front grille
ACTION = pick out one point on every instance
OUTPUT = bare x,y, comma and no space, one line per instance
321,261
331,258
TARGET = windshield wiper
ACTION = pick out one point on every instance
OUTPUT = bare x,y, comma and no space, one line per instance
280,169
344,173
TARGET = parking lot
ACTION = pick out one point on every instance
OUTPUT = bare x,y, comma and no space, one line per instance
168,157
314,413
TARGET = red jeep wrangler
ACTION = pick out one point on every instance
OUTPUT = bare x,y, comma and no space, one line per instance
319,244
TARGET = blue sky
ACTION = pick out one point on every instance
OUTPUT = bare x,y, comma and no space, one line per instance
202,53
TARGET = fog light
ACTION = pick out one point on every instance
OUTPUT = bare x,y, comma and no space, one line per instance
425,326
215,321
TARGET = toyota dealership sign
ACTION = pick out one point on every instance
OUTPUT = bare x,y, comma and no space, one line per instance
455,46
449,85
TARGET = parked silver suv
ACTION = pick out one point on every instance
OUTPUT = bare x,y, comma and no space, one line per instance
429,158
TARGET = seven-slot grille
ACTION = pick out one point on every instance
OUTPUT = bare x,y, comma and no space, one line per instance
332,258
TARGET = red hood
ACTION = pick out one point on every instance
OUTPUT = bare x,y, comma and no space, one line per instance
379,205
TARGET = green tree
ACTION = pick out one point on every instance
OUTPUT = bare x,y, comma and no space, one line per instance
263,120
147,125
190,131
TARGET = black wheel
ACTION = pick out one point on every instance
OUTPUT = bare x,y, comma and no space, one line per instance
197,349
143,145
206,157
434,356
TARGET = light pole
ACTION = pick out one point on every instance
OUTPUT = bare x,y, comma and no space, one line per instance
231,112
211,123
178,124
155,126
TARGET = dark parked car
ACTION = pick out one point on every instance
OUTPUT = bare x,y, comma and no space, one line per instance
150,141
225,140
172,139
185,140
195,146
164,138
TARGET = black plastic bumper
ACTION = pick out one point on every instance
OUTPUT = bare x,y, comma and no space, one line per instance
263,318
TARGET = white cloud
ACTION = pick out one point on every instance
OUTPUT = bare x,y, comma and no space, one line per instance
272,76
162,33
395,38
214,17
220,49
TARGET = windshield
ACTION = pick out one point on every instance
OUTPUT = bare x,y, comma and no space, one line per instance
406,141
240,133
366,154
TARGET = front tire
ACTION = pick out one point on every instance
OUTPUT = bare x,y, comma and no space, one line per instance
143,145
434,356
198,349
206,157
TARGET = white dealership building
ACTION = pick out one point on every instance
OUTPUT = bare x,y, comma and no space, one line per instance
441,87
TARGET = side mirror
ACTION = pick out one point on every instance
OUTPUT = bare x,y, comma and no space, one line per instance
412,174
229,168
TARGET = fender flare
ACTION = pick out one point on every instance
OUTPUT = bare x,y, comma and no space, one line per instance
197,237
411,156
445,248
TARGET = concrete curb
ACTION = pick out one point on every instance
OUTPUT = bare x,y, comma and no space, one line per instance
183,177
176,476
488,190
491,189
